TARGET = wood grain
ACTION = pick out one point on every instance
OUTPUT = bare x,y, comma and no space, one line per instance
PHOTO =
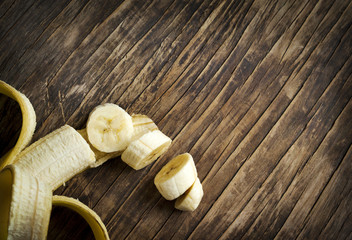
259,92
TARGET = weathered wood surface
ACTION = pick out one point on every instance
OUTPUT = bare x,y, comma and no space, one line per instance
259,92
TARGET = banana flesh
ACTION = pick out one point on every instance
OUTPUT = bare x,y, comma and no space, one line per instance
26,205
178,180
142,124
109,128
146,149
28,123
176,176
57,157
101,157
190,200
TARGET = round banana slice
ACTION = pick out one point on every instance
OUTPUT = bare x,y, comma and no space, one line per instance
146,149
176,176
109,128
25,205
101,157
190,200
142,124
28,123
57,157
94,221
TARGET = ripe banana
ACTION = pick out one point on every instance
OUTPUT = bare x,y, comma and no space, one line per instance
176,176
94,221
28,123
146,149
190,200
57,157
109,128
25,205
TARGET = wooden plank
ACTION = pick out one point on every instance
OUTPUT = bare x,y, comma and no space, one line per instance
340,223
293,161
322,172
264,155
53,47
5,6
259,92
102,71
10,13
148,218
240,128
337,192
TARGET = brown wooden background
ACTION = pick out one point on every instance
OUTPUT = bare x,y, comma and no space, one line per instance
258,91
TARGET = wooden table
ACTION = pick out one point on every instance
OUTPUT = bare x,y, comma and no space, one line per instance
259,92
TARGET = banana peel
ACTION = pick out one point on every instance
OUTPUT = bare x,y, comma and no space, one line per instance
28,123
26,199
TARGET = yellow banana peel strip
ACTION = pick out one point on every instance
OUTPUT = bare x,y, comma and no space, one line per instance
94,221
28,123
24,213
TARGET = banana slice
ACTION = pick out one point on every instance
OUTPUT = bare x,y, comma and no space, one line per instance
146,149
109,128
190,200
176,176
57,157
28,123
101,157
25,205
142,124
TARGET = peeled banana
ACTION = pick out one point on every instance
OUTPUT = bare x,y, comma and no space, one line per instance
190,200
176,176
109,128
25,205
26,185
57,157
146,149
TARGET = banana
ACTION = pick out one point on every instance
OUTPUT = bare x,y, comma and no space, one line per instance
109,128
27,184
142,124
28,123
176,176
190,200
57,157
29,177
25,205
101,157
146,149
94,221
